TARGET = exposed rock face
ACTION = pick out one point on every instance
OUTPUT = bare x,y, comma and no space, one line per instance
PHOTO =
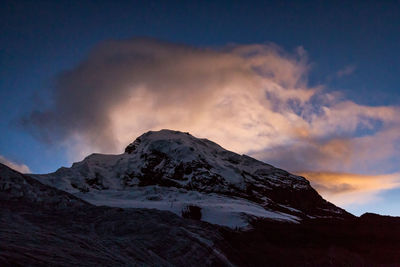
173,160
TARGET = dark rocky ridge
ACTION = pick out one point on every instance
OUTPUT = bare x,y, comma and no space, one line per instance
19,188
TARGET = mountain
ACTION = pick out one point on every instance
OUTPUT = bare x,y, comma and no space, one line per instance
175,171
115,210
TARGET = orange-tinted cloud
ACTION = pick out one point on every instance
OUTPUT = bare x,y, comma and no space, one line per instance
239,96
347,188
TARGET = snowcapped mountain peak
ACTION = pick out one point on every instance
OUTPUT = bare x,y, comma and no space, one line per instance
185,160
181,145
164,167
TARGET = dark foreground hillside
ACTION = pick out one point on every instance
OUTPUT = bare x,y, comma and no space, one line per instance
370,240
101,236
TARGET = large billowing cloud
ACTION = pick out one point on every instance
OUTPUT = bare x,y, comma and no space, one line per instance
251,99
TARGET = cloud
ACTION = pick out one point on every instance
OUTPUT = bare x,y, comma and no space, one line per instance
18,167
373,154
347,188
252,99
345,71
125,88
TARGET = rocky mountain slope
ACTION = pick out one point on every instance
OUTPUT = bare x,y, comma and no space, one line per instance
171,170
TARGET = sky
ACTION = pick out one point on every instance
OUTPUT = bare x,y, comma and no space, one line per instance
308,86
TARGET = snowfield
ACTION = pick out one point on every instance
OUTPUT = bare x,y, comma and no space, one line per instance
216,209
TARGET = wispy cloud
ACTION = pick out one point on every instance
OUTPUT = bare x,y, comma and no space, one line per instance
18,167
348,70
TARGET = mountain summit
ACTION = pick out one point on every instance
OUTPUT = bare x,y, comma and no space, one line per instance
175,171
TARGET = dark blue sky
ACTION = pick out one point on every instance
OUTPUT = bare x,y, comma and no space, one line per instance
38,39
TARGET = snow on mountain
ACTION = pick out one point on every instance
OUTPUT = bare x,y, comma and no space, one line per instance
171,170
215,208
